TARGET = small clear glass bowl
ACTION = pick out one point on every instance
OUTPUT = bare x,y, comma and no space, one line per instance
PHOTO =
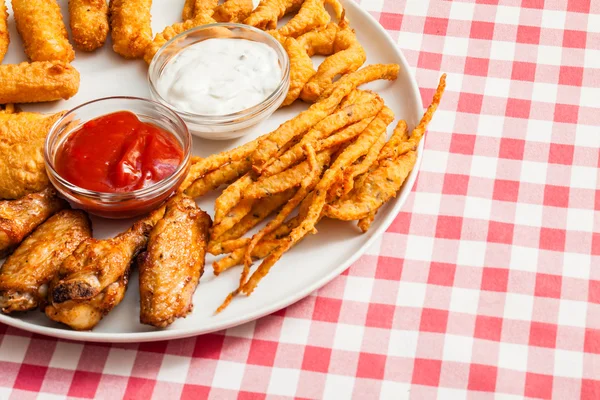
229,126
122,204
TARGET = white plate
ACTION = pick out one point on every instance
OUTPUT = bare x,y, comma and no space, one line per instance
307,267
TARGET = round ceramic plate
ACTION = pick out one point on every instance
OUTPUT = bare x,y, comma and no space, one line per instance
308,266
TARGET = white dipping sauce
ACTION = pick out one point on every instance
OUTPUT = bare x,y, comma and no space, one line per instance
220,76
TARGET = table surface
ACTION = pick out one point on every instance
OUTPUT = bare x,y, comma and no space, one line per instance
484,283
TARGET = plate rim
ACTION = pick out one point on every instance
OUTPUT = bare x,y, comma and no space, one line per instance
161,335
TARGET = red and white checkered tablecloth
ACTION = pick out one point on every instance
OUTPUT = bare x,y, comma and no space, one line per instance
487,285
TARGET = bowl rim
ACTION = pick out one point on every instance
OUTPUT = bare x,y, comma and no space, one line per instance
244,114
118,197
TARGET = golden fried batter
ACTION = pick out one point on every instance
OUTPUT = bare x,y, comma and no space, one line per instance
193,8
233,11
19,217
171,267
92,281
224,175
301,68
4,37
37,82
131,31
89,23
311,15
268,12
22,169
25,275
40,25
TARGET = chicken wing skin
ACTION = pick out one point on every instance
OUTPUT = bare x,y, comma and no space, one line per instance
173,263
92,280
25,275
18,218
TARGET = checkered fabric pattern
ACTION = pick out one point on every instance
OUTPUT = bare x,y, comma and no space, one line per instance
487,285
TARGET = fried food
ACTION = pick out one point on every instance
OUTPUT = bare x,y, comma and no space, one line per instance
224,175
268,12
289,130
193,8
380,186
349,55
399,135
232,217
173,30
92,280
230,197
319,41
4,36
40,25
18,218
173,263
233,11
22,169
131,31
25,275
301,68
312,15
89,23
37,82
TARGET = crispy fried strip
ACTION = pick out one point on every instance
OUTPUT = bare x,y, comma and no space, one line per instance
347,157
413,142
348,56
346,116
233,11
344,135
131,31
37,82
319,41
311,15
286,179
223,175
89,23
230,197
233,216
365,223
40,25
380,185
4,36
268,12
399,135
277,139
173,30
193,8
301,68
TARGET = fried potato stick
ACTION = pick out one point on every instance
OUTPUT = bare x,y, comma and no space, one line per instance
89,23
289,130
349,55
268,12
4,36
131,31
37,82
346,116
286,179
347,157
223,175
233,11
193,8
40,25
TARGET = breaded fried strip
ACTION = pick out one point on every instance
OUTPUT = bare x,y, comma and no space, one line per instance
131,31
4,37
40,25
211,181
268,12
301,68
233,11
37,82
193,8
25,274
89,23
311,15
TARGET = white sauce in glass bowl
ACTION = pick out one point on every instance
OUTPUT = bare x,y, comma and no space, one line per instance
220,76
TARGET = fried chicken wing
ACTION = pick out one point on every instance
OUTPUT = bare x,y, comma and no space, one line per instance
4,37
173,263
19,217
40,25
92,280
22,169
25,275
89,23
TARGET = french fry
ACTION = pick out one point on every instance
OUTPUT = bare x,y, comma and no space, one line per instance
40,25
37,82
131,31
89,23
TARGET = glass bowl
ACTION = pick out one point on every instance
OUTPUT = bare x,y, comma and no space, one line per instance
122,204
229,126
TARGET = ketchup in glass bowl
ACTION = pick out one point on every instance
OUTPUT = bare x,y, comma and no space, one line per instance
118,157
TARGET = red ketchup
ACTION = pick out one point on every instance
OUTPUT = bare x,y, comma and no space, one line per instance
118,153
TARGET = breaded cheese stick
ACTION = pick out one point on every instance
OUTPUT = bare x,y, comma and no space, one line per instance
4,38
41,26
89,23
37,82
131,31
